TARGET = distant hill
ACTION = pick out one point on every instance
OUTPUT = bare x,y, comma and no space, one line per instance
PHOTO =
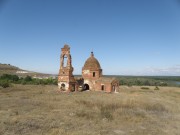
10,69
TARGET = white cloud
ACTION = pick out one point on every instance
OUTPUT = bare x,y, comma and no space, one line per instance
151,71
174,70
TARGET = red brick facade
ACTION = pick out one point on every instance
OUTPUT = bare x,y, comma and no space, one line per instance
91,74
93,78
66,81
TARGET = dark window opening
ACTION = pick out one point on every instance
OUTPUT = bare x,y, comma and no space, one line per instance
94,74
102,87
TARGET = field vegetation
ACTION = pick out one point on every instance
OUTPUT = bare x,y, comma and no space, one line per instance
43,110
149,80
6,80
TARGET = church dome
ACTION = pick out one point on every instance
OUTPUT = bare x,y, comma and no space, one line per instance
92,63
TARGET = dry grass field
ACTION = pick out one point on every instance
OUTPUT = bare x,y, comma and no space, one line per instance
41,110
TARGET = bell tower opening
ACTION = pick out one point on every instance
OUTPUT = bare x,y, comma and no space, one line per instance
65,60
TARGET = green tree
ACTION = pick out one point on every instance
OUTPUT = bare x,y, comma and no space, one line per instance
15,78
147,83
28,78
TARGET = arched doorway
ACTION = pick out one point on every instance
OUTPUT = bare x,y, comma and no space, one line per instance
73,87
86,87
63,86
113,88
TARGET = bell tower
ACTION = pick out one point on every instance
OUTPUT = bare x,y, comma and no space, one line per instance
66,81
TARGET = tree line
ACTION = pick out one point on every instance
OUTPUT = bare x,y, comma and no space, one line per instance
6,80
143,81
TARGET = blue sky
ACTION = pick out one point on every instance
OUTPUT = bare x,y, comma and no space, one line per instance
128,37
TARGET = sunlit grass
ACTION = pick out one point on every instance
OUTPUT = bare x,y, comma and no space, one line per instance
42,110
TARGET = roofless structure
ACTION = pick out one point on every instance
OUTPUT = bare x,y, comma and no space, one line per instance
66,81
93,78
91,73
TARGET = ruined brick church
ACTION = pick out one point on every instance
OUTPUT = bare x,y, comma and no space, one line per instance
92,78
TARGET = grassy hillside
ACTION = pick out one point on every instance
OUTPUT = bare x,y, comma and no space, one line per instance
42,110
8,69
13,70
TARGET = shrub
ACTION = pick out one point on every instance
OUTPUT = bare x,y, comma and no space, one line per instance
163,84
13,78
28,78
55,82
147,83
145,88
156,88
6,77
4,84
23,82
36,81
129,84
